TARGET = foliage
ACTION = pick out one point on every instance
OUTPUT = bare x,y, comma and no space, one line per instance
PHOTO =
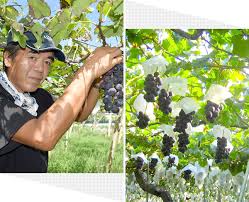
203,57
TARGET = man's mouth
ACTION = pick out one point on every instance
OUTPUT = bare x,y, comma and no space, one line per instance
37,80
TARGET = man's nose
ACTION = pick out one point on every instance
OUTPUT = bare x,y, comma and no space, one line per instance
39,65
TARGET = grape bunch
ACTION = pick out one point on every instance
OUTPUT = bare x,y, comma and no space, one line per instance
167,145
112,86
151,86
182,121
187,174
139,163
171,161
212,111
181,124
153,163
143,120
183,141
221,151
164,100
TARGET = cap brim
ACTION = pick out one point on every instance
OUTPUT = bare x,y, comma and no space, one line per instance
58,54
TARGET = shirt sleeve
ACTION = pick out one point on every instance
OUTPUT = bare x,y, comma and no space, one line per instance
12,118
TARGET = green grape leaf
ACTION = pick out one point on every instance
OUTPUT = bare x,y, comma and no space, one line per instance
118,7
79,6
37,29
19,37
240,46
38,8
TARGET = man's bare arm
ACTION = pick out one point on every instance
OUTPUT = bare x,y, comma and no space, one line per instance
88,105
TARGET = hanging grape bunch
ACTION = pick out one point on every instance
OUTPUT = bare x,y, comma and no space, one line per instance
212,111
167,145
143,120
181,124
164,100
112,86
151,86
139,163
221,151
187,174
153,163
171,161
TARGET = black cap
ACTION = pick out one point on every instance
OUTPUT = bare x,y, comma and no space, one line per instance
47,44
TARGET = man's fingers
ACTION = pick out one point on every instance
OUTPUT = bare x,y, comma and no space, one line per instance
117,60
116,52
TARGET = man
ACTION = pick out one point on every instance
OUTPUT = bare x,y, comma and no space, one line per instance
30,122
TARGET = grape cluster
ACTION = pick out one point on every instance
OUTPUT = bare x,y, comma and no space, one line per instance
167,145
182,121
153,163
112,86
221,151
181,124
183,141
187,174
143,120
212,110
171,161
151,86
164,100
139,163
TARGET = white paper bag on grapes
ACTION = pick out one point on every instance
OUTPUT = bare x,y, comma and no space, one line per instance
217,94
188,105
168,129
155,156
172,156
140,105
159,173
229,146
221,131
177,85
200,174
190,129
141,155
175,109
155,64
190,167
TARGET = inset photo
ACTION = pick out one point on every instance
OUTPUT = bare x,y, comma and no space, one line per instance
187,115
61,86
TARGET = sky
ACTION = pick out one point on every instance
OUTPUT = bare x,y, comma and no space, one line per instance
55,5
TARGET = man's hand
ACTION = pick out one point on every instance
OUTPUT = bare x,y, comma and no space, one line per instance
102,60
97,83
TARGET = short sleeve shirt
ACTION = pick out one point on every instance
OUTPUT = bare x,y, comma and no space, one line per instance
16,157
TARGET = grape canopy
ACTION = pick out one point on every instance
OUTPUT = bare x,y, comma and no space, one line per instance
187,115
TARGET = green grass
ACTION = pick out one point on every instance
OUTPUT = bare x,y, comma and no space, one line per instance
87,152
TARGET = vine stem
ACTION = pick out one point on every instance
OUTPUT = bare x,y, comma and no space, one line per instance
152,188
242,192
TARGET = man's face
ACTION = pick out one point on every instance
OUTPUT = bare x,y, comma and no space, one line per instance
28,69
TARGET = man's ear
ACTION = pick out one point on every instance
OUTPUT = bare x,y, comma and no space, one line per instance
7,59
